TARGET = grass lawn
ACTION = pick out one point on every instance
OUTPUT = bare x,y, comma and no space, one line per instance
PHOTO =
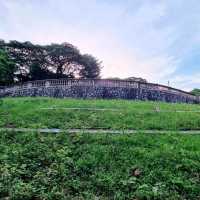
99,166
97,114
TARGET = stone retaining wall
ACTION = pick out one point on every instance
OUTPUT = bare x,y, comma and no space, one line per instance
103,89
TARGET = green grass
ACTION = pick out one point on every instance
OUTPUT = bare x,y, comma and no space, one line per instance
29,113
100,166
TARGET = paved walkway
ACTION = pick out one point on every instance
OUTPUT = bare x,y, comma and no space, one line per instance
46,130
118,109
87,109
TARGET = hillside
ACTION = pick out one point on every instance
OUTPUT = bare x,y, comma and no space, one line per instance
98,114
101,166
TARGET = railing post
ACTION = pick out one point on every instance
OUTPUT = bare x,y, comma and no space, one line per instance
47,84
139,88
29,85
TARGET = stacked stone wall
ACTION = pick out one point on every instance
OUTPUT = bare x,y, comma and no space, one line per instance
99,89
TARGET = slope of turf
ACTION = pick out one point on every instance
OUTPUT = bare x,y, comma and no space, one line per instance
97,114
100,166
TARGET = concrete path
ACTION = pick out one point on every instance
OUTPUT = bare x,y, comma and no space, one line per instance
87,109
118,109
93,131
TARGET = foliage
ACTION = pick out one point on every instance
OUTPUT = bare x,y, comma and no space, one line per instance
196,92
7,69
98,114
136,79
1,101
100,166
38,73
34,62
88,71
63,59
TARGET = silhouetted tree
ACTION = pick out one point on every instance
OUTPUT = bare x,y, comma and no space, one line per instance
39,73
24,55
91,67
63,59
7,69
136,79
35,62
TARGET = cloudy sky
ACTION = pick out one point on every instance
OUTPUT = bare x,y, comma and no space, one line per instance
155,39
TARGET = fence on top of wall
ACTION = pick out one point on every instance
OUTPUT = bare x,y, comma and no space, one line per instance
141,87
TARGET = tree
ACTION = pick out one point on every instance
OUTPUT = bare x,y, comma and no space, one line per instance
196,92
24,55
91,67
64,60
142,80
38,73
7,69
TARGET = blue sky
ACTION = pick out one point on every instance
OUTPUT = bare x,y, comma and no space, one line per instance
155,39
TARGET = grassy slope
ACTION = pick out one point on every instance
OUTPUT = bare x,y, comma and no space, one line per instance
27,112
62,166
100,166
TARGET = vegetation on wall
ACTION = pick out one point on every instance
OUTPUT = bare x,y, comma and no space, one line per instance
196,92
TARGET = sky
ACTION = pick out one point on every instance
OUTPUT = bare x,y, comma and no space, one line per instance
158,40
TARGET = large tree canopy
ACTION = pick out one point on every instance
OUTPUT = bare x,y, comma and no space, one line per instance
88,71
36,62
7,69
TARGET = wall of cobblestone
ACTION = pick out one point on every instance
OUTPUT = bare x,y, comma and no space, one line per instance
98,91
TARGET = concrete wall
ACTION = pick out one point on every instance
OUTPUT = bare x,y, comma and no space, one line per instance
99,89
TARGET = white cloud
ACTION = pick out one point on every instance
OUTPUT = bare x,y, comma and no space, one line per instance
133,38
186,82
